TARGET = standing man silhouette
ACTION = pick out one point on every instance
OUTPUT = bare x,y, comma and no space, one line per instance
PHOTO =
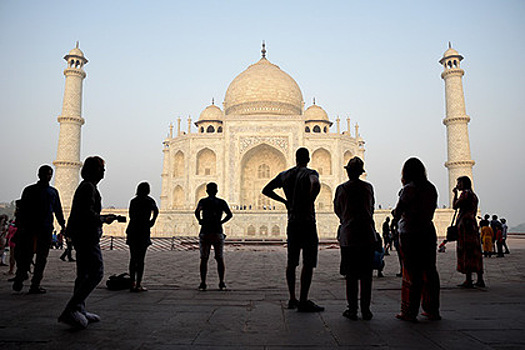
209,213
301,187
35,229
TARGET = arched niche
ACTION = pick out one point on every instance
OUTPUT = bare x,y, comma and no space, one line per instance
206,162
324,199
267,158
178,164
276,230
200,193
263,230
178,197
250,231
347,156
322,162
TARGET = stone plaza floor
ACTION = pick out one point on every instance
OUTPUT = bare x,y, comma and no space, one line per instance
252,313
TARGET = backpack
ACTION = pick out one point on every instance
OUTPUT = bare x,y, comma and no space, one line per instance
120,282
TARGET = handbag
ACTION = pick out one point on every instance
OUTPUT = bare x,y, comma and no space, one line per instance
452,230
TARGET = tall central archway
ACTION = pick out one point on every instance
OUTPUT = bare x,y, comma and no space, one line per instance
258,166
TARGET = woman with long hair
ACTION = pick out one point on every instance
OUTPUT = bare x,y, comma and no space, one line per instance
468,246
142,215
413,214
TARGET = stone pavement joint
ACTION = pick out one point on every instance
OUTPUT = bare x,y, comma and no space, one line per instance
252,313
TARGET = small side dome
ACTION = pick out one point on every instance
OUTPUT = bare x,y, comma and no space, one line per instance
314,112
76,52
212,112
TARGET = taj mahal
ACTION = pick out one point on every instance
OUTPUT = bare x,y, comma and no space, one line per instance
244,143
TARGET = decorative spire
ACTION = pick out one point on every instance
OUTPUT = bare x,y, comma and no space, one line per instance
263,51
314,100
77,45
449,45
213,100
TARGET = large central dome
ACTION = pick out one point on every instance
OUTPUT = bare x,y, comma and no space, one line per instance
263,88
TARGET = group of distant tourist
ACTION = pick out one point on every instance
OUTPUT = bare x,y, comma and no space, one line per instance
411,232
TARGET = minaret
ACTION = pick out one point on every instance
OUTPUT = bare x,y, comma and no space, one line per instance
459,162
68,154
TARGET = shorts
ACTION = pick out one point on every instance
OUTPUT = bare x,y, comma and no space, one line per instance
302,236
208,240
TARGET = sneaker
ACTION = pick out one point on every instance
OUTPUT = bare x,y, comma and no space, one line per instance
309,306
141,289
350,315
222,286
91,317
292,304
367,315
202,286
74,318
37,290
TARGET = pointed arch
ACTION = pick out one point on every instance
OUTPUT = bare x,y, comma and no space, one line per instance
276,230
324,200
206,162
178,198
262,157
250,231
347,156
200,193
178,164
263,230
322,161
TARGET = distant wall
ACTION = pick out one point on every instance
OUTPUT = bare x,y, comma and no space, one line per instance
254,224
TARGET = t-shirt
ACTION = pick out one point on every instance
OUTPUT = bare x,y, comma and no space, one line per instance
296,185
212,209
39,202
354,205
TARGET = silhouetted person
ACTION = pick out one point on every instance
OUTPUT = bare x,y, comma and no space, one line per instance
354,206
468,246
143,212
387,238
68,251
498,235
413,214
395,239
504,231
301,187
35,228
209,213
85,229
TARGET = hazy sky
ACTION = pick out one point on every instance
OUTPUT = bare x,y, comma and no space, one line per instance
375,61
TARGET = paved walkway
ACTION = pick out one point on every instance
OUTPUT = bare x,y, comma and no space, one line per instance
252,313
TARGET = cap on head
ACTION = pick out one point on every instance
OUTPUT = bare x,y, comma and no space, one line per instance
355,165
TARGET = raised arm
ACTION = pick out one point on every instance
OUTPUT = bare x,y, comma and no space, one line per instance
228,213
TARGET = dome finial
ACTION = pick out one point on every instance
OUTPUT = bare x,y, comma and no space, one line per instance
314,100
77,45
263,51
449,45
213,100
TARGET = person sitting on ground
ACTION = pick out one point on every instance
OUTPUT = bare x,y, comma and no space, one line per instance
209,213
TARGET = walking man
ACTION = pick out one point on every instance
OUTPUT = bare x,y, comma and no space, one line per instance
301,187
35,229
85,229
209,213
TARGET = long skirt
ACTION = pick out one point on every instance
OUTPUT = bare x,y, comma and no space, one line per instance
468,247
